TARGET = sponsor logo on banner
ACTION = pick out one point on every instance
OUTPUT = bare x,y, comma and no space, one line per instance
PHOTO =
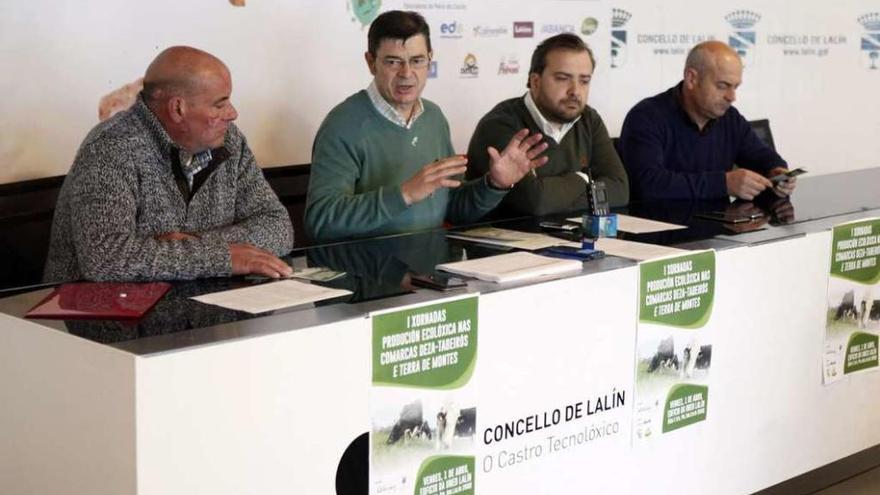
432,70
871,40
445,6
663,43
363,11
619,18
589,26
554,29
454,29
469,68
804,44
809,45
489,31
523,29
744,36
509,65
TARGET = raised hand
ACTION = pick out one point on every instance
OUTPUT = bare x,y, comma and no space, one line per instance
432,177
519,157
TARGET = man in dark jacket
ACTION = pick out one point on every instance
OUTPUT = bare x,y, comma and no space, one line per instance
684,142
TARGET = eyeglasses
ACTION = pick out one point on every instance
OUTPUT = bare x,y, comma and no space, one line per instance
415,63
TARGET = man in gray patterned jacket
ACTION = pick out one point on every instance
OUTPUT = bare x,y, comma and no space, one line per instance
169,188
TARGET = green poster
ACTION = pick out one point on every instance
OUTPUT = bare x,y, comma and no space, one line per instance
855,251
685,405
677,291
430,346
853,310
446,474
674,348
422,405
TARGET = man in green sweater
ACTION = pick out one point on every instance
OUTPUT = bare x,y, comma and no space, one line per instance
383,162
579,146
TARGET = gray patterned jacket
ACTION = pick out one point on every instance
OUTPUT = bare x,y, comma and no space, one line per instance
121,192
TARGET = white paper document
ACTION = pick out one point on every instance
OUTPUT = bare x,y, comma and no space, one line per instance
271,296
638,225
511,267
638,251
529,241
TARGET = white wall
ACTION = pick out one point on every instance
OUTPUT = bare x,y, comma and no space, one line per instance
294,60
823,105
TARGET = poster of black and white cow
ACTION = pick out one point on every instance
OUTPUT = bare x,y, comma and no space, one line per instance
410,425
452,422
860,311
665,357
847,306
693,356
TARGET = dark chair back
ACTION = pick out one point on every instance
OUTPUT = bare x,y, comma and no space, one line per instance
291,184
26,210
762,129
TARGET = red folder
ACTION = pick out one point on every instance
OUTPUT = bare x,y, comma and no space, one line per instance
99,301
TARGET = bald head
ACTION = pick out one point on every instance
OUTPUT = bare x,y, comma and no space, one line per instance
707,56
180,71
188,91
712,74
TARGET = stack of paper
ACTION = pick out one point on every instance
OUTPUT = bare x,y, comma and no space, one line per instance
511,267
638,251
271,296
638,225
529,241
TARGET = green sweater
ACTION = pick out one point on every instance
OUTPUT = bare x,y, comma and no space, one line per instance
557,188
359,161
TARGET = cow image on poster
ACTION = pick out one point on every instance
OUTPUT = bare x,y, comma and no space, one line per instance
444,433
847,307
665,356
418,432
868,311
666,359
453,423
862,312
409,425
699,360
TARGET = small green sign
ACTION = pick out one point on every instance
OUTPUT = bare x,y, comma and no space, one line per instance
861,352
685,405
441,475
433,346
855,251
678,291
